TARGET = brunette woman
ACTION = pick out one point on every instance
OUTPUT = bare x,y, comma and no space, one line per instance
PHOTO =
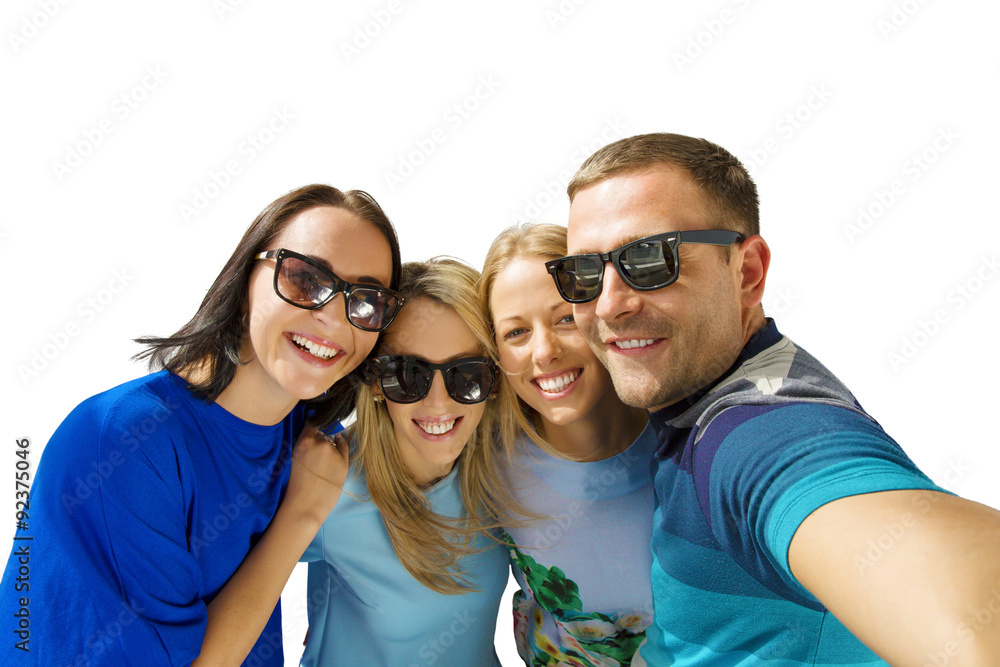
151,500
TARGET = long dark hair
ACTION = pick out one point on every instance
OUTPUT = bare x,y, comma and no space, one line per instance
211,340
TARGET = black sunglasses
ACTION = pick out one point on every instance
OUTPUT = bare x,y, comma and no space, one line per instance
302,282
647,264
404,379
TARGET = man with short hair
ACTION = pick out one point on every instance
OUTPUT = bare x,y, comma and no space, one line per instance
771,479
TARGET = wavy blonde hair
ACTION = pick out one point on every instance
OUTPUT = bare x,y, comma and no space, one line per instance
427,544
531,240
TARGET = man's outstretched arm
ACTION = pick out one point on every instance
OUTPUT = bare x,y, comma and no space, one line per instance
915,575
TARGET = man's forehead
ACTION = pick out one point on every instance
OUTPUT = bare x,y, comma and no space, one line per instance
633,205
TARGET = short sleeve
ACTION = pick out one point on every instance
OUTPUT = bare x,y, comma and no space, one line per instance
764,469
145,515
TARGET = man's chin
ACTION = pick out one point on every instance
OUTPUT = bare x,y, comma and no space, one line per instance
637,393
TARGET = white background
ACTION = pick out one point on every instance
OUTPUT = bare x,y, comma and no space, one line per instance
828,103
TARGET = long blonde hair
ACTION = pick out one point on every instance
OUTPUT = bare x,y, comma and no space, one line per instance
427,544
532,240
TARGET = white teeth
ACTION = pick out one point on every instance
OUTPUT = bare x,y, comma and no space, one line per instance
558,383
315,349
436,428
630,344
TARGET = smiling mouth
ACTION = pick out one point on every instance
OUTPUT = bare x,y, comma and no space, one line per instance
634,343
436,428
313,348
554,385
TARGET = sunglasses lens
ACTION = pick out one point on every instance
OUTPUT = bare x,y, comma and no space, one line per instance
404,381
648,264
469,382
302,284
579,278
371,309
408,380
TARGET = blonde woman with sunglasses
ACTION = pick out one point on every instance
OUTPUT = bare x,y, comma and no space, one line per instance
406,569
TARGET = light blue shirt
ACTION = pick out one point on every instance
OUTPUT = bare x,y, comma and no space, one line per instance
584,565
365,608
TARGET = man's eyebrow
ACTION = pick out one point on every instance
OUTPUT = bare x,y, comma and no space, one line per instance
367,280
623,240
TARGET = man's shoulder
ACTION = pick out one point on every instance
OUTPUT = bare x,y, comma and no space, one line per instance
779,374
757,425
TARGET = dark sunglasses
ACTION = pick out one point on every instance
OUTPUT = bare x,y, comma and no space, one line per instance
403,379
303,282
647,264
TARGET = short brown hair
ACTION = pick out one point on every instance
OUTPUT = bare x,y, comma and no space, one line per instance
723,179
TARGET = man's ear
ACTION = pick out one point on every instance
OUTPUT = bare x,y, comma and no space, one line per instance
754,258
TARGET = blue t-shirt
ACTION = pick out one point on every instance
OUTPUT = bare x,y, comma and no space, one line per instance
365,608
740,466
583,568
145,502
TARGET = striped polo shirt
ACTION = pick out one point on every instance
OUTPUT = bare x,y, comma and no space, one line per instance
740,465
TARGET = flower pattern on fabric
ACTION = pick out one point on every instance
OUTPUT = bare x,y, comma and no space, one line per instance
579,639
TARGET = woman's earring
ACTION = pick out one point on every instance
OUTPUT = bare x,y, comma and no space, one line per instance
379,398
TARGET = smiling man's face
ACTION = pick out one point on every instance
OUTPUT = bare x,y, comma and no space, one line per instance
662,345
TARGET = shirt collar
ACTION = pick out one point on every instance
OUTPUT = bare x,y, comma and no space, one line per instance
764,338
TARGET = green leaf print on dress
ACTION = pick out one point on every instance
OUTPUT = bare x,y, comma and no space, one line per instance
579,639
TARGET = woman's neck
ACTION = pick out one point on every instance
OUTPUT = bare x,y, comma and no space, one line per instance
246,396
607,430
428,477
